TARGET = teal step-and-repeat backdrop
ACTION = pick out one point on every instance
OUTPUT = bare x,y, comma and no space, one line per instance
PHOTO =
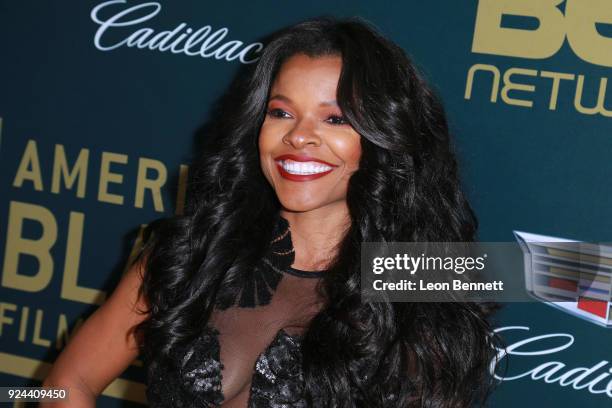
101,103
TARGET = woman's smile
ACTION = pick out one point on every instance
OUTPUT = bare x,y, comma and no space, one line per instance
305,136
302,168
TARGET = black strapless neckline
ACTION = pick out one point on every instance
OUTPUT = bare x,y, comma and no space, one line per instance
304,274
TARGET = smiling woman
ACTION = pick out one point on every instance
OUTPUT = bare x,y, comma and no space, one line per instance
251,298
310,122
308,151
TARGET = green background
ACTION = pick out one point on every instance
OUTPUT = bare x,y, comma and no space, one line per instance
530,169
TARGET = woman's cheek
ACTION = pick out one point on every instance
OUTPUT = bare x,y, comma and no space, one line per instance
349,149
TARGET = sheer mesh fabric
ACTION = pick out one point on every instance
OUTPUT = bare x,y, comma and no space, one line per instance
249,353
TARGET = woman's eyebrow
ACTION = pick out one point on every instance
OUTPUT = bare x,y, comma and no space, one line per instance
281,97
288,100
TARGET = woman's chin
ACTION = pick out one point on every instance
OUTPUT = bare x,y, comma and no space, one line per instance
299,205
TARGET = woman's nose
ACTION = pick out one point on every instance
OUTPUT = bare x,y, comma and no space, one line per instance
303,133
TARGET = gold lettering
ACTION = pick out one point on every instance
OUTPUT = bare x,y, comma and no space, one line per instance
4,319
36,339
29,168
581,18
491,38
600,106
510,86
23,323
470,80
143,183
107,177
554,92
40,248
61,170
70,288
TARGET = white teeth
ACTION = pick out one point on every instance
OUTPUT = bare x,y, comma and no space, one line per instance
303,168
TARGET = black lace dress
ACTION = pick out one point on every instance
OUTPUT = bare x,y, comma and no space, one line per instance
277,379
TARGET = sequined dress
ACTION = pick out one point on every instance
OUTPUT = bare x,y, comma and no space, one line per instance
277,379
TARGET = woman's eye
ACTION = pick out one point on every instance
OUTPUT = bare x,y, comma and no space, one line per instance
333,119
278,113
337,120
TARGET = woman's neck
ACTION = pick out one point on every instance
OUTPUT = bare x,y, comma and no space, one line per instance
317,233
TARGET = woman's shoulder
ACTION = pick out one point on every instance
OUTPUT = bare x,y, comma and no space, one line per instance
110,330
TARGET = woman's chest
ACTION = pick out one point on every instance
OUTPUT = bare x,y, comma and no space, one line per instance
247,375
241,351
258,343
199,377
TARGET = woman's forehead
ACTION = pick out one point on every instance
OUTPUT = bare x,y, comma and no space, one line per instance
308,72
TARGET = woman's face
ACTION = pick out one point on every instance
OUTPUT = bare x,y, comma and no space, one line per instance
307,150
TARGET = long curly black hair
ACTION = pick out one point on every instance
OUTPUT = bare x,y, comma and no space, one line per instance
407,188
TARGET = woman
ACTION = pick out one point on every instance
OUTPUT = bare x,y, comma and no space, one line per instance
252,298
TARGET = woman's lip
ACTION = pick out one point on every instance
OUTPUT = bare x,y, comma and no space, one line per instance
299,177
303,158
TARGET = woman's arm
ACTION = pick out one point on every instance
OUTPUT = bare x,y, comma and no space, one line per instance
103,347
